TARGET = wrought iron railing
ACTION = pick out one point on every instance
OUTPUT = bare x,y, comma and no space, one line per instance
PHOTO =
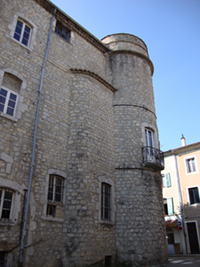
153,156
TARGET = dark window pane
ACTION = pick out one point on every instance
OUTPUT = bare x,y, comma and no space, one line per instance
19,23
12,96
51,210
11,104
27,29
24,41
10,111
3,92
17,36
2,99
1,107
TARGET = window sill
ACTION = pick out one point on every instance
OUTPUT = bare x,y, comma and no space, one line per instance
8,116
27,47
106,222
53,219
6,222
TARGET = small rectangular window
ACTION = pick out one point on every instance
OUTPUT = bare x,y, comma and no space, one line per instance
22,32
149,137
8,100
105,201
191,165
193,195
6,197
62,31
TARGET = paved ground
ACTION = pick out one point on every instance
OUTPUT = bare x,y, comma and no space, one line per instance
184,261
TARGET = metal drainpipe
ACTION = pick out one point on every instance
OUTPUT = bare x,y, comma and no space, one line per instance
34,144
180,200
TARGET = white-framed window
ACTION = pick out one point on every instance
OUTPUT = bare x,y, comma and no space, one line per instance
8,101
105,201
193,195
167,180
22,32
191,165
6,201
168,206
55,193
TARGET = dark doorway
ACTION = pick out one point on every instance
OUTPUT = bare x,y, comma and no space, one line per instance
193,239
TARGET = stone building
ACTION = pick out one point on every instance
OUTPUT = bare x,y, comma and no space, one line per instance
80,164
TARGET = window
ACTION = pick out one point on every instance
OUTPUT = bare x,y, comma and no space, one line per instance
167,180
3,258
55,193
168,206
105,201
193,195
62,31
6,199
8,101
108,261
149,137
190,165
22,32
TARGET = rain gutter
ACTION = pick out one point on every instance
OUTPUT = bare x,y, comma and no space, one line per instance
34,145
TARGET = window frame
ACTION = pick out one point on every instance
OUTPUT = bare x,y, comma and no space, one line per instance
32,39
187,159
51,201
149,140
62,31
2,199
9,92
107,180
22,33
188,194
105,198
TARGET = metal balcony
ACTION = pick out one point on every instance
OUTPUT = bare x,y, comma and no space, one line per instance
153,158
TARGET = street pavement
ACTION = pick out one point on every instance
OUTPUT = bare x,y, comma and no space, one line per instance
184,261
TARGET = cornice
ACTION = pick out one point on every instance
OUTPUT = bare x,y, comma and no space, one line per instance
95,76
149,62
183,149
72,25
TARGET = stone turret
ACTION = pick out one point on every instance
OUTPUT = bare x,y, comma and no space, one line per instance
138,180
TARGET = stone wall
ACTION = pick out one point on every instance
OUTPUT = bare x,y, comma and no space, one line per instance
95,105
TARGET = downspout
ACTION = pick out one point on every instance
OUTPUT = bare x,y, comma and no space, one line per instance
180,201
34,144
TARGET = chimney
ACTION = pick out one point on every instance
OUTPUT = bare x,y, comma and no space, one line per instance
183,140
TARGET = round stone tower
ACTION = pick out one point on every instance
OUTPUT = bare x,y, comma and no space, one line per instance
140,229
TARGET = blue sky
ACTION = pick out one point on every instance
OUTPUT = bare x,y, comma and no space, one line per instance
171,30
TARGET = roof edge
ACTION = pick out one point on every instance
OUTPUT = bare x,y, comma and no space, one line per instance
72,24
182,149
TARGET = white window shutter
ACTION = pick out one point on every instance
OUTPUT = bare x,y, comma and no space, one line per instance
164,181
168,180
170,207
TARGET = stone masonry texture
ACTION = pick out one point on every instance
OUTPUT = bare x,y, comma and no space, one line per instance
97,100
